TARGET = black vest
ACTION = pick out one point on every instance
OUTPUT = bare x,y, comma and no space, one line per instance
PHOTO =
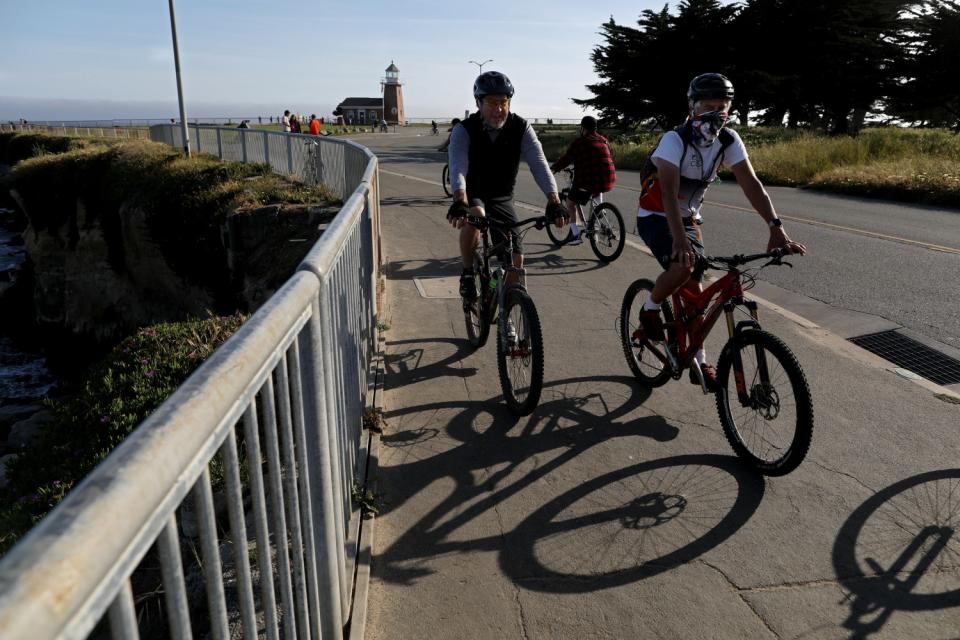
492,172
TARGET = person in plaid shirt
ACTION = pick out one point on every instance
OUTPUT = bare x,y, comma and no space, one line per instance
592,167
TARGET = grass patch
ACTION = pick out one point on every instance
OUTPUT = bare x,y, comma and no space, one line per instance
928,180
117,395
16,146
185,200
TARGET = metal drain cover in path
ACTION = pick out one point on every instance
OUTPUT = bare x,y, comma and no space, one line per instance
438,287
906,352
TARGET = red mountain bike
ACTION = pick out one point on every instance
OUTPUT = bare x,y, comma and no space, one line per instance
762,394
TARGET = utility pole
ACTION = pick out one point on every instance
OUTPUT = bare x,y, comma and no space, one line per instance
176,63
480,64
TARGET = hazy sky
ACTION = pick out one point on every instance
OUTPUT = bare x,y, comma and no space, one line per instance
266,56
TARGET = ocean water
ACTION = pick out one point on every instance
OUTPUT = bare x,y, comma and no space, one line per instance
24,376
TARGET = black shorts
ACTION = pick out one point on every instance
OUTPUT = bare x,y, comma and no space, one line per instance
501,209
656,233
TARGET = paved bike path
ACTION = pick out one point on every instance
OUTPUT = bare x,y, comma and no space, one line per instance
613,511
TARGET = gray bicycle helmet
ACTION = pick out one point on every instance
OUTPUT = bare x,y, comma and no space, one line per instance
707,86
492,83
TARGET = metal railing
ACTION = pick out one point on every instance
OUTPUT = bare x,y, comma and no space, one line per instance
269,426
126,133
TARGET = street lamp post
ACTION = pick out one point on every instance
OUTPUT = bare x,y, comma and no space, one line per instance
479,64
176,63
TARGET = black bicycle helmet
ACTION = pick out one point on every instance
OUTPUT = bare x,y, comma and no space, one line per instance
708,86
589,123
492,83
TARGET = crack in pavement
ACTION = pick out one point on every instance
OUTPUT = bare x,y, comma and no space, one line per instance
844,473
740,594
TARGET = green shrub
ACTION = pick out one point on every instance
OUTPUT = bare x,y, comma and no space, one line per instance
16,146
186,200
117,395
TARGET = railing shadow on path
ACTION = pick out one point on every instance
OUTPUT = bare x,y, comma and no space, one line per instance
900,551
701,499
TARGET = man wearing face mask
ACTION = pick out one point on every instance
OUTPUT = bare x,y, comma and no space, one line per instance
679,171
484,156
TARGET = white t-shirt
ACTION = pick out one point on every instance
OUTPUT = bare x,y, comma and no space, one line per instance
286,123
698,164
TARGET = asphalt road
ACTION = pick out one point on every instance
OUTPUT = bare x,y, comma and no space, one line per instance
894,262
616,511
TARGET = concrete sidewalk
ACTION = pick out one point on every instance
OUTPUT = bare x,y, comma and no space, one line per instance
616,512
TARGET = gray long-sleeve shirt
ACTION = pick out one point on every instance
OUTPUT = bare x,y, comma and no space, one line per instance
530,151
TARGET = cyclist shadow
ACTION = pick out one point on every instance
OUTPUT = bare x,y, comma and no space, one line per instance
549,262
426,268
404,367
900,551
486,456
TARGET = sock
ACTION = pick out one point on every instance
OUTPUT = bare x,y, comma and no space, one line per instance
701,357
575,229
650,305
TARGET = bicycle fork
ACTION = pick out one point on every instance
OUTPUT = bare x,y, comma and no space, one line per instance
755,396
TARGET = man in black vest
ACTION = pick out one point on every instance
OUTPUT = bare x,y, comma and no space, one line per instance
484,156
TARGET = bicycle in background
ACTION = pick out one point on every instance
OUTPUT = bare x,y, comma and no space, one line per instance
761,391
603,224
445,180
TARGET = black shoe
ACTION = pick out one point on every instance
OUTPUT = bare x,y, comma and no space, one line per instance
468,286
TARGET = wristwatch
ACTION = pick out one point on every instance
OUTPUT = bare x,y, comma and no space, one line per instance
776,222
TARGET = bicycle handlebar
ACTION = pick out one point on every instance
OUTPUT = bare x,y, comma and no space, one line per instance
740,259
483,222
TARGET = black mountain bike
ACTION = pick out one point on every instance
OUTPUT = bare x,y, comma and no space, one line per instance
604,224
519,338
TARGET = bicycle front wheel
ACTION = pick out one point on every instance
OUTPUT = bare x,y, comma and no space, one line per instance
559,237
764,402
475,315
520,352
644,362
606,232
445,179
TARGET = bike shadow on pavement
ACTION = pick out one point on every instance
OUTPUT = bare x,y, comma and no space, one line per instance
492,458
900,551
423,268
403,361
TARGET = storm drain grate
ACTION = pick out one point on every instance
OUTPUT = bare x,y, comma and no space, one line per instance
911,355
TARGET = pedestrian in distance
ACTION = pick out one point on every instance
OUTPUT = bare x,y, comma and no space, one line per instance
314,125
294,124
286,121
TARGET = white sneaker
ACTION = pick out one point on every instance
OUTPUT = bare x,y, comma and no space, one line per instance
575,230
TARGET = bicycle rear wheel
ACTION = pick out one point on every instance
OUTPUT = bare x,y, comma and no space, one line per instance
520,352
764,402
475,314
606,232
445,179
649,369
